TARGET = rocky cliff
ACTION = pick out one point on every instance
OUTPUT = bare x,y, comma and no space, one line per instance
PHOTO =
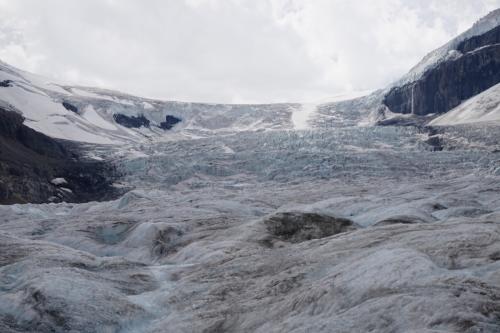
473,67
36,168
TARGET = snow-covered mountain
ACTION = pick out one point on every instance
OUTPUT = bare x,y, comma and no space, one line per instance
466,66
107,117
448,76
449,50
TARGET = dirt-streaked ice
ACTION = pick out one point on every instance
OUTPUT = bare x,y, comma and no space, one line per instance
189,249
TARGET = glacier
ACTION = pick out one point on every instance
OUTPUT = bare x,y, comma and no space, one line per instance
259,218
189,249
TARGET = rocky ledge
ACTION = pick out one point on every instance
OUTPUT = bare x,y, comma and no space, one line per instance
36,168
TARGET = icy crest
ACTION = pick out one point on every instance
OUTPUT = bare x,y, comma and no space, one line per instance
448,50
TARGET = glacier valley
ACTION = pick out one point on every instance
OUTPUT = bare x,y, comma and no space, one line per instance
376,213
228,233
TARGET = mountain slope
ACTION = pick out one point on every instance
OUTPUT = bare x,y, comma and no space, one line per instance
36,168
461,69
101,116
447,51
483,108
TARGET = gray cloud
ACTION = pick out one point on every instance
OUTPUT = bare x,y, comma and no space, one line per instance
229,50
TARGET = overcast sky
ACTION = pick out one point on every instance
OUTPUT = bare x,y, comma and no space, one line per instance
235,51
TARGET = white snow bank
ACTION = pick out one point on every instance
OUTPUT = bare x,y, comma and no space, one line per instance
484,107
94,118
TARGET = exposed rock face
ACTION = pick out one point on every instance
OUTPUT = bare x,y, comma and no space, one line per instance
298,227
6,83
404,121
170,122
444,87
489,38
70,107
30,160
132,121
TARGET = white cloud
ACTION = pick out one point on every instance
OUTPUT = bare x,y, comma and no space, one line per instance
229,50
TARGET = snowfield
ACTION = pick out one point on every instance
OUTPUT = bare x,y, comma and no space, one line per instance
87,115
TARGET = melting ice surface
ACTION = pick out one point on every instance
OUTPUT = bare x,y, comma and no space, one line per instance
192,248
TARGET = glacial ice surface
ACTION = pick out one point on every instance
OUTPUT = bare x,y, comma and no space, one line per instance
189,248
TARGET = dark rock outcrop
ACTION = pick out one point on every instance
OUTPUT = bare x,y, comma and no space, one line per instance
435,142
131,121
70,107
444,87
6,83
170,122
413,121
29,161
296,227
491,37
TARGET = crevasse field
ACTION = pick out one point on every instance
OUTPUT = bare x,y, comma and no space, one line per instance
228,234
